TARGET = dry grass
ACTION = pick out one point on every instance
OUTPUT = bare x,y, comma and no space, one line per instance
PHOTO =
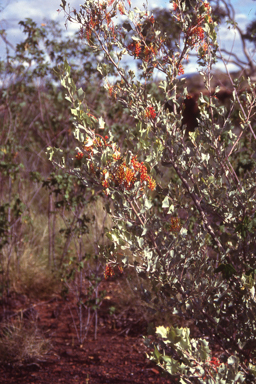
35,279
25,266
22,343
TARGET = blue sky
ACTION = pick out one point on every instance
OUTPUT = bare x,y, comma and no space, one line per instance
15,10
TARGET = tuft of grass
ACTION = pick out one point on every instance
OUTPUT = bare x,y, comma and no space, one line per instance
22,343
35,278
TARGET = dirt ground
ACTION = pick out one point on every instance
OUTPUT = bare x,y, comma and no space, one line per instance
118,356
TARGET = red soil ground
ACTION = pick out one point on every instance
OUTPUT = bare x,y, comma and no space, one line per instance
118,356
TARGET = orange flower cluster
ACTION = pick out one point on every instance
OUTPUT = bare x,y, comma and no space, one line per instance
108,18
79,156
148,52
90,26
176,10
150,113
175,6
152,19
208,10
175,224
205,47
117,155
119,174
146,48
105,183
121,9
125,176
199,32
145,52
110,271
181,70
135,48
215,363
196,32
110,90
142,169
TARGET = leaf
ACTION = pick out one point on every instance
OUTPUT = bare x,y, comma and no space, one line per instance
171,209
204,350
232,360
157,354
166,202
74,112
172,366
68,98
205,157
50,152
80,136
80,94
66,66
148,204
131,15
185,339
162,331
101,123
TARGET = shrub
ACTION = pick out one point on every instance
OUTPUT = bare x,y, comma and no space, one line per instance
22,343
175,197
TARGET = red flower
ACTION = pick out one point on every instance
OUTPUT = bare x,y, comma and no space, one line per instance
215,363
181,70
150,113
175,224
79,156
137,48
152,19
109,271
105,184
121,9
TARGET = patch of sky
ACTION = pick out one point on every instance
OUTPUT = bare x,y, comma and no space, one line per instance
12,11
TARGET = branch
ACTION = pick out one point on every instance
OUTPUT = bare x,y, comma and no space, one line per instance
237,98
197,203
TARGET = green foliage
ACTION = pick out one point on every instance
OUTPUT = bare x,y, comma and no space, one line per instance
190,360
